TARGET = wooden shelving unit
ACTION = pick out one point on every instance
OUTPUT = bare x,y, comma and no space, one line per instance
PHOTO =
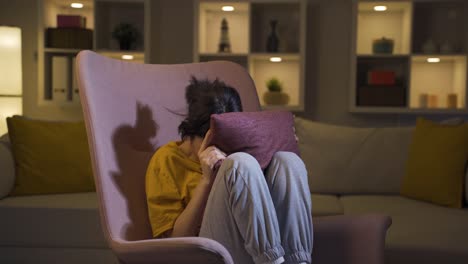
57,81
249,28
428,60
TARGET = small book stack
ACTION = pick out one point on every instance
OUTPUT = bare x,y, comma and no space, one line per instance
381,90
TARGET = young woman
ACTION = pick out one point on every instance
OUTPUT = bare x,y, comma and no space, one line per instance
259,216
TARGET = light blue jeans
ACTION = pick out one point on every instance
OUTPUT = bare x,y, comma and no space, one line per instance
259,217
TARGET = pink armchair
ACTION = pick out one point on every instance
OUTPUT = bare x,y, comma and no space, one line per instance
131,109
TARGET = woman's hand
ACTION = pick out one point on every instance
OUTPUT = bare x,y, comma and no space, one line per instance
189,221
295,135
208,156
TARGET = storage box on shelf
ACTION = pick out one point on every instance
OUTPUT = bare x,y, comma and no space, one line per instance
423,43
266,37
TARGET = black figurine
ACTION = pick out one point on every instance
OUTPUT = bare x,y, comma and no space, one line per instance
273,40
224,44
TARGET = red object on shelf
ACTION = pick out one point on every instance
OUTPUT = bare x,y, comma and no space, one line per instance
381,78
71,21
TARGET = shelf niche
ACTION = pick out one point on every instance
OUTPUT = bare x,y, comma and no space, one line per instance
52,8
442,24
287,72
210,18
382,95
394,23
433,83
287,16
111,13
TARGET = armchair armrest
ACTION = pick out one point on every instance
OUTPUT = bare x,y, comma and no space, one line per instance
172,250
337,239
350,239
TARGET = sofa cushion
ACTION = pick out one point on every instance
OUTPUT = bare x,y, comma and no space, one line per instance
421,232
323,205
7,165
50,156
348,160
436,163
58,220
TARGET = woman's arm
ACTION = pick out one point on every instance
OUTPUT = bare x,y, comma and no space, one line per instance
189,221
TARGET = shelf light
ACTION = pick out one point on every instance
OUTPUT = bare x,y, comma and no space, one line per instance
380,8
433,60
227,8
76,5
127,57
276,59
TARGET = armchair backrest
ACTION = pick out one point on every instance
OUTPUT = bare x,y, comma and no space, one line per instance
130,110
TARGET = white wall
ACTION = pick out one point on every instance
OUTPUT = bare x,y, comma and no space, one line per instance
24,14
172,31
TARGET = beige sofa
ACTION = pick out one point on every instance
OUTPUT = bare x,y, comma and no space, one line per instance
351,171
62,228
359,170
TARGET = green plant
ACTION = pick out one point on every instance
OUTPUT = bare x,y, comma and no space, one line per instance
274,85
125,32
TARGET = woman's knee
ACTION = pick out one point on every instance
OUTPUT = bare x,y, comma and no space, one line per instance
240,164
242,161
288,160
241,169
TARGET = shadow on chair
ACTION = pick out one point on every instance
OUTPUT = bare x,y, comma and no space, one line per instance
136,140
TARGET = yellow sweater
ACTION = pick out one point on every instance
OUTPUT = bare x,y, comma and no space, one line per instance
171,178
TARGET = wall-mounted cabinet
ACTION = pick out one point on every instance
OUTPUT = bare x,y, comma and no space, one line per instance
64,31
266,37
409,56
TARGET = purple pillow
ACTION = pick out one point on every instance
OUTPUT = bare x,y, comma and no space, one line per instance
261,134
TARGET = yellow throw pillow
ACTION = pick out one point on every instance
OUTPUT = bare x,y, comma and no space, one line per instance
50,156
436,163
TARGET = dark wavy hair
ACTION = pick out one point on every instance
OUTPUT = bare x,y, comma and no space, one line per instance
204,98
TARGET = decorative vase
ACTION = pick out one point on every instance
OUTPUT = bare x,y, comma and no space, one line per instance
382,46
446,47
273,40
432,101
224,43
275,98
429,47
423,100
452,100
